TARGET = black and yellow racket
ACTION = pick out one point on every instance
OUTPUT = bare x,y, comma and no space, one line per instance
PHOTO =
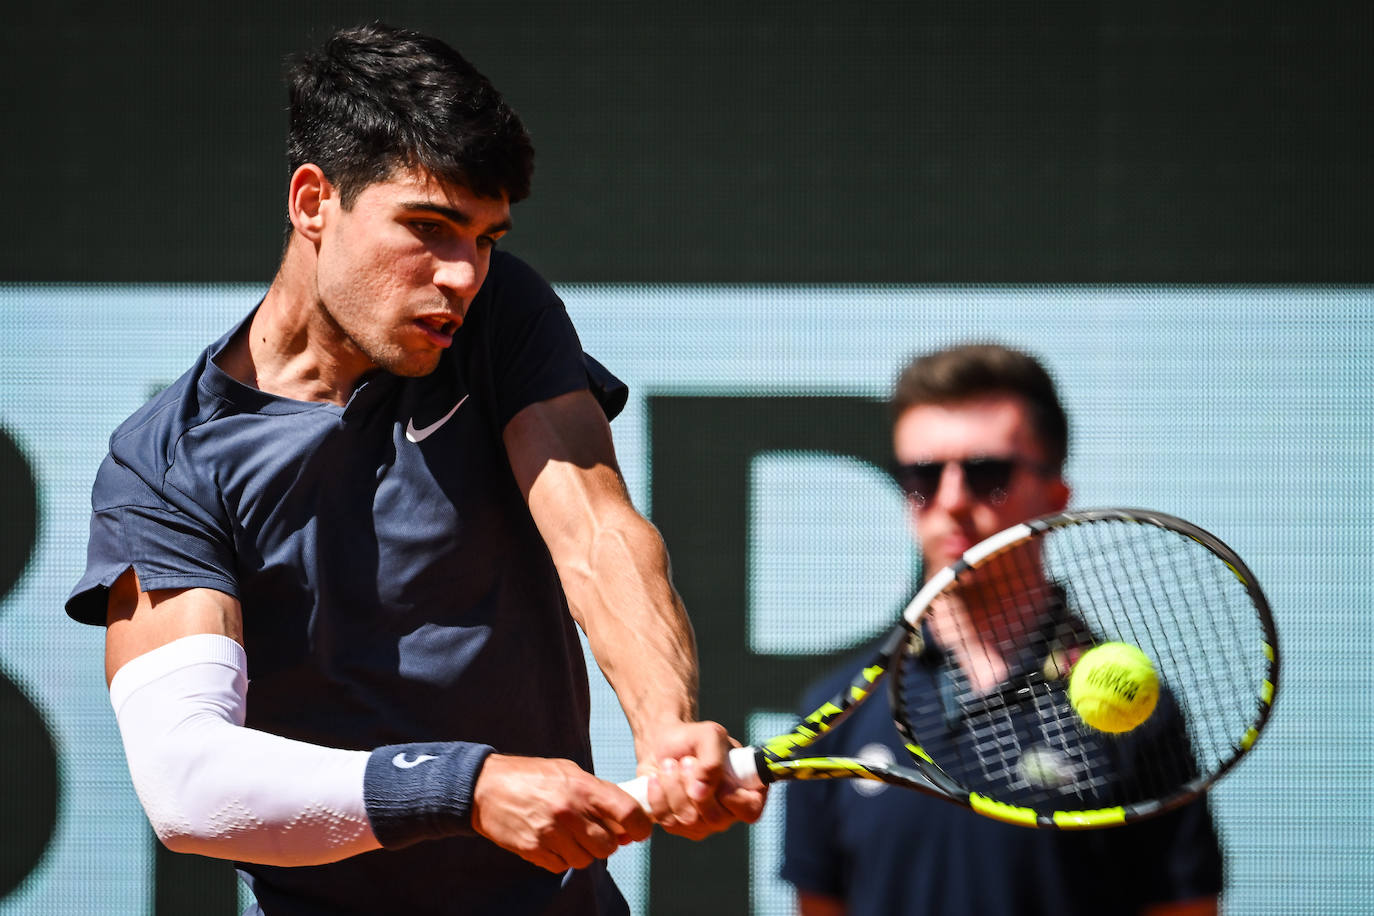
1081,670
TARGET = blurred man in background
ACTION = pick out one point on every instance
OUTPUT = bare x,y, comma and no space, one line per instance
980,439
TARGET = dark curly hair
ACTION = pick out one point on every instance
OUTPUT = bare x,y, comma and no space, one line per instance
375,98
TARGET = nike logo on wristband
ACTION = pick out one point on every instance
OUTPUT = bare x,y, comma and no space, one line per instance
401,762
421,433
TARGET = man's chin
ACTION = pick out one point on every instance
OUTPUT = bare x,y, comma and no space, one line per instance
413,366
949,551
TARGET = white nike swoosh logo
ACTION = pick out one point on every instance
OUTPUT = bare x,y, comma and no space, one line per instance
401,763
421,433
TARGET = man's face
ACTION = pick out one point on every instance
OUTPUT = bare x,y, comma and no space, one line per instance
398,270
955,515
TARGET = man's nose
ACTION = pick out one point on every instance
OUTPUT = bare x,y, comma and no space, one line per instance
952,491
459,275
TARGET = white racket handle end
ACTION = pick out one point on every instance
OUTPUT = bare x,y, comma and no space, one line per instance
742,763
744,766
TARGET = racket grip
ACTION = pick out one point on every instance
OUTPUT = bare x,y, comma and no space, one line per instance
742,764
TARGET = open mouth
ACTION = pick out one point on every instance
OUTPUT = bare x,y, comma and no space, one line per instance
439,329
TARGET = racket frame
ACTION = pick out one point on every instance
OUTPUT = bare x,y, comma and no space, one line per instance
777,758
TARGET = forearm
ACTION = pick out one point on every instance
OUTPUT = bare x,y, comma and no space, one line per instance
619,587
640,635
611,560
213,787
614,569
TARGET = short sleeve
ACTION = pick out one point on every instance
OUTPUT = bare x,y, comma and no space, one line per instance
168,539
533,348
610,392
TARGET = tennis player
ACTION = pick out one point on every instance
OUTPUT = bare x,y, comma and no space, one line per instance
980,440
342,560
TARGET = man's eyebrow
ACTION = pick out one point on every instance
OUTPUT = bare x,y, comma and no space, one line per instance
453,215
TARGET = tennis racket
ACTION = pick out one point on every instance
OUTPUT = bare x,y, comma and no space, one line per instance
978,671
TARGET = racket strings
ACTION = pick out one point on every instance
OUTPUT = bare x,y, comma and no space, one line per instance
1010,620
1119,574
1037,606
1016,626
1123,580
1187,610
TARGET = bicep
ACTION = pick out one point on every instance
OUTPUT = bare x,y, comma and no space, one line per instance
609,557
138,622
563,459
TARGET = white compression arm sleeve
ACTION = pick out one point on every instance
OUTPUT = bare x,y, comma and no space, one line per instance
213,787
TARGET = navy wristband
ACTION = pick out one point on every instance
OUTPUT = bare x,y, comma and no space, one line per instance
423,791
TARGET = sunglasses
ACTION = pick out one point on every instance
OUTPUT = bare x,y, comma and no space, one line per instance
986,479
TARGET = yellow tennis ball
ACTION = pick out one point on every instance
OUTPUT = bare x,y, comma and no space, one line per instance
1113,687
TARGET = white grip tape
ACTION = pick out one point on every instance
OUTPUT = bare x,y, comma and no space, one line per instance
742,764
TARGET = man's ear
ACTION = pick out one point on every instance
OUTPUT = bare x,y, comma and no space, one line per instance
306,200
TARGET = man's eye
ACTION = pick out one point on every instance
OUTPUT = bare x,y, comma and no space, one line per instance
425,227
486,241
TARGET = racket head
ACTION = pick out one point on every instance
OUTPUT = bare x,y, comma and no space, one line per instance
996,731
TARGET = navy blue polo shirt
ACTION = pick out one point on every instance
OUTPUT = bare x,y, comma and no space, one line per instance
393,583
885,850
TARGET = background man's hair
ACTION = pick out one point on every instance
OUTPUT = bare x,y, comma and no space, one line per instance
375,98
968,371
